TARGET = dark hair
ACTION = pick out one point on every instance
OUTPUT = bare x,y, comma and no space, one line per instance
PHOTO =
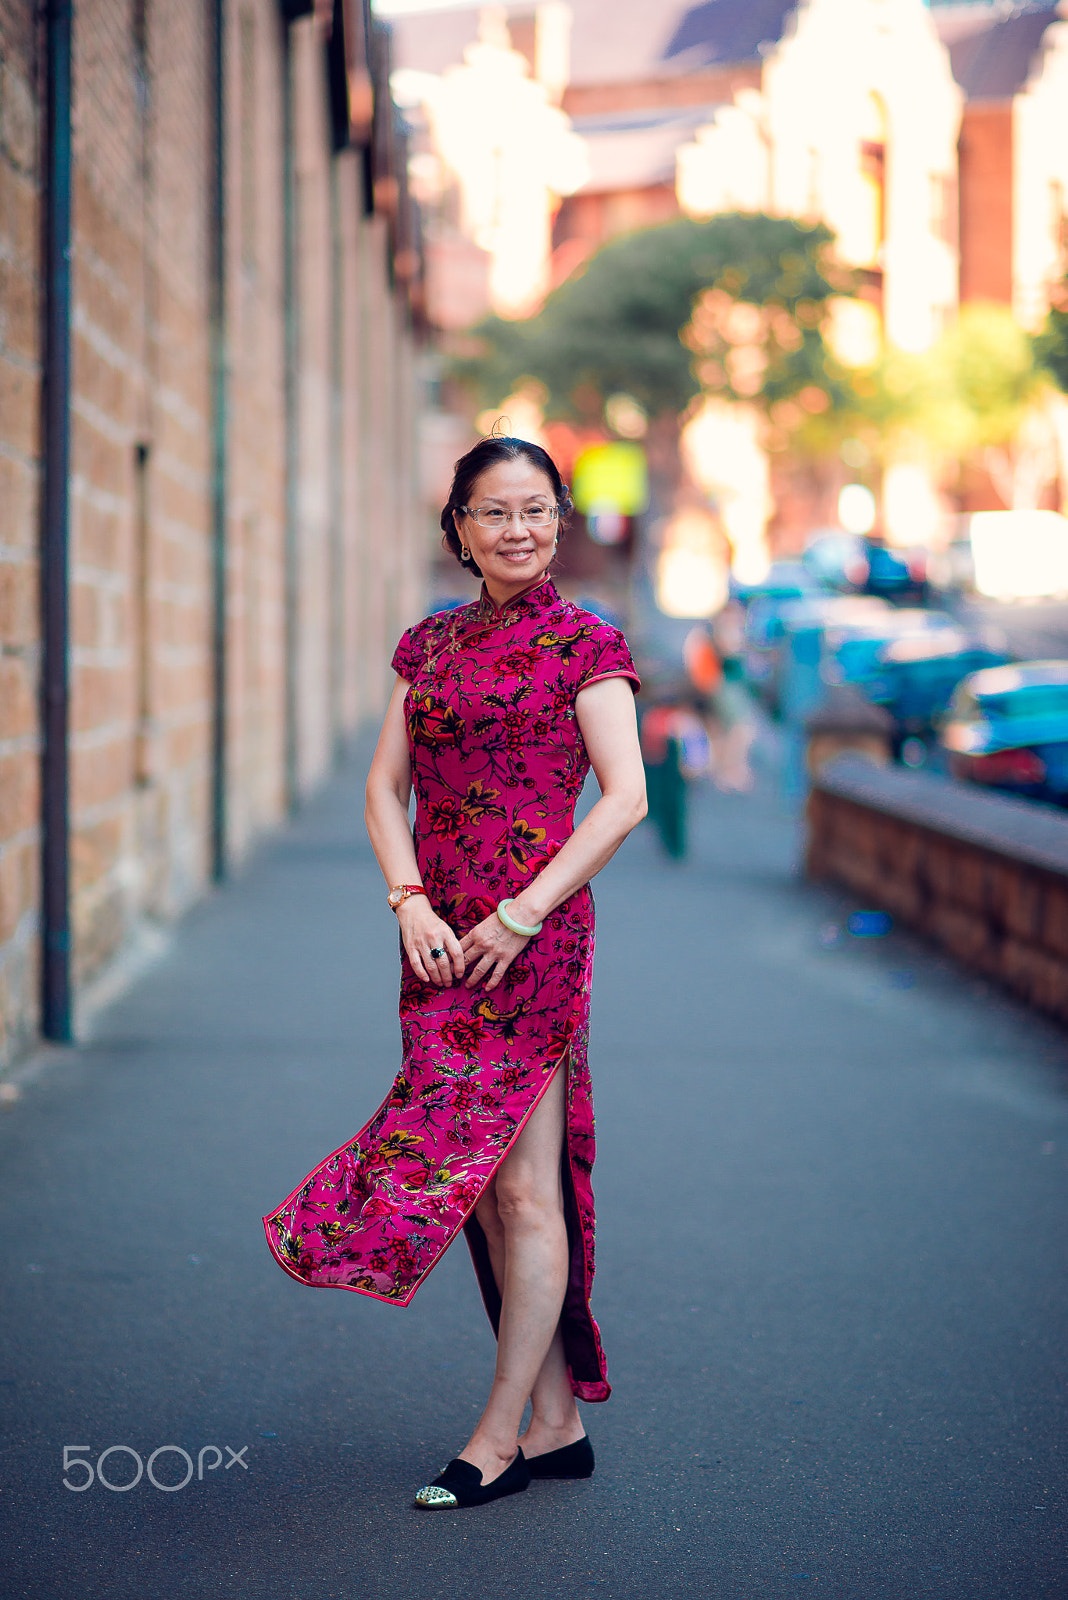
487,453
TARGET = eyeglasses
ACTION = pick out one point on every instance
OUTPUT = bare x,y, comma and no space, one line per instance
495,517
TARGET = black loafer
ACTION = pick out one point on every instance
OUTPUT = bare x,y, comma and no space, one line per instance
570,1461
461,1485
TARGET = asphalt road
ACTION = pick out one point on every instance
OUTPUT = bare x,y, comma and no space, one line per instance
832,1199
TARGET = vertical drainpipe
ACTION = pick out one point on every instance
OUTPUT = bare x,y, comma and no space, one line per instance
337,454
219,422
55,532
292,436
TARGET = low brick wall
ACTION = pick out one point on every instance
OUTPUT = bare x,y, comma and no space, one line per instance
982,875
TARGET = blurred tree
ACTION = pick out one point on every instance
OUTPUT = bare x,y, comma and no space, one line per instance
1051,345
979,395
735,306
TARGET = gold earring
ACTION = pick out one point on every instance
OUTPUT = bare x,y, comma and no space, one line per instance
465,554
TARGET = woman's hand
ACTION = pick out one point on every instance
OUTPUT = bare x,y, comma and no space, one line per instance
423,931
489,950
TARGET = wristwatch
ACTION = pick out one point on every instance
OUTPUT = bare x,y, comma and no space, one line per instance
401,892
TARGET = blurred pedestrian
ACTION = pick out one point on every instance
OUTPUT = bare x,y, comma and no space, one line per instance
499,710
675,751
733,711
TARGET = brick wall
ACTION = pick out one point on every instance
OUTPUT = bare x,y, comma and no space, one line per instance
983,876
19,404
142,527
255,733
986,232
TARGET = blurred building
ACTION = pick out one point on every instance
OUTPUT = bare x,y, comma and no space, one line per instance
496,155
851,119
853,122
194,618
789,107
1011,62
931,139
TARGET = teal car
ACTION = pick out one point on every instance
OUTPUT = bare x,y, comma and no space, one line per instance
771,639
917,676
853,648
1007,727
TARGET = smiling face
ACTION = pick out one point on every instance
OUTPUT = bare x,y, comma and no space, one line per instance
514,557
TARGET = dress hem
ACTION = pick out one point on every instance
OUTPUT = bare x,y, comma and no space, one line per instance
396,1300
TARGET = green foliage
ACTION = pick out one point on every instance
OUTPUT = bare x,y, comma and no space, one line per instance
993,367
971,392
620,326
1051,345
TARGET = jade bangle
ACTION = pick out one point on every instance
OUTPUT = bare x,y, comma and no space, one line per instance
512,925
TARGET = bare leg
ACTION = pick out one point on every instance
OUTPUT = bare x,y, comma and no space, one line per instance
523,1218
554,1413
554,1420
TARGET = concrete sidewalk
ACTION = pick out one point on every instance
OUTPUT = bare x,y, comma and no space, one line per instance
832,1188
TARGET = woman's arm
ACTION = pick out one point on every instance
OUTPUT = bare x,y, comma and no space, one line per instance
609,727
389,788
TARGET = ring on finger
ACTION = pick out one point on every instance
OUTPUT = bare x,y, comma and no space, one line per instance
437,953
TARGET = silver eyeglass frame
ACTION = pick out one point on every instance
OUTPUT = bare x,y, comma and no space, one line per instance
473,511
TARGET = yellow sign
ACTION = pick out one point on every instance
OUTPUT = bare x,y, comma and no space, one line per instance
611,478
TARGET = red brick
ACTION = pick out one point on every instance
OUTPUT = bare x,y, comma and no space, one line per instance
19,313
986,193
1055,917
1036,975
19,215
18,603
18,701
18,886
95,848
1021,903
18,407
18,793
18,497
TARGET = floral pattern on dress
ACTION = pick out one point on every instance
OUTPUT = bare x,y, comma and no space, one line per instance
498,762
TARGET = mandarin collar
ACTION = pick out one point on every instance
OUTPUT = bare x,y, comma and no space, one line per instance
531,603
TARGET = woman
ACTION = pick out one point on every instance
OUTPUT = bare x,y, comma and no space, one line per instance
499,710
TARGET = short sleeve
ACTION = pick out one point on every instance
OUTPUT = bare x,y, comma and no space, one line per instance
410,655
608,657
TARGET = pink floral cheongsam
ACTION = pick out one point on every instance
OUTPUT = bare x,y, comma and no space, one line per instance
497,764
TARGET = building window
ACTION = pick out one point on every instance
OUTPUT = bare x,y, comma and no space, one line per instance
1058,226
943,207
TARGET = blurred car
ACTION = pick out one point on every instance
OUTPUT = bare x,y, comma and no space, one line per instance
853,647
853,563
767,631
837,560
895,574
952,571
1007,727
786,581
916,677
